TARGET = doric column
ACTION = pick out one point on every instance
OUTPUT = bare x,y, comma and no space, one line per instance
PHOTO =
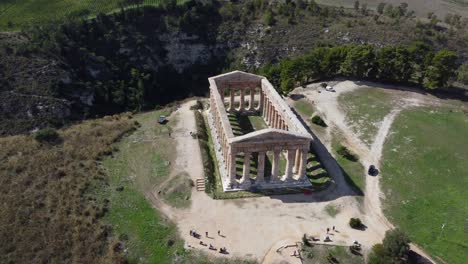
261,168
303,166
231,103
232,168
273,119
246,172
275,165
289,165
252,98
242,100
260,102
269,113
277,119
297,161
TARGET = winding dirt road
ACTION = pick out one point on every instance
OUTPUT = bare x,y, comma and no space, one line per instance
327,104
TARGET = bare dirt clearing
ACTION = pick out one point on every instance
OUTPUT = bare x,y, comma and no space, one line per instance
253,227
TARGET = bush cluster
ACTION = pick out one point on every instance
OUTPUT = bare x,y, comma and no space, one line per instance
346,153
355,223
49,135
318,121
394,248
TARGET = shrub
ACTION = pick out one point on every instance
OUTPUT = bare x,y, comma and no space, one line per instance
305,240
323,85
355,223
318,121
346,153
47,135
396,245
377,256
197,106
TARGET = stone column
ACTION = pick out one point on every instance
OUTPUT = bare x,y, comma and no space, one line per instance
277,119
289,165
303,166
232,169
261,168
242,99
274,119
246,172
275,166
268,112
231,104
252,99
297,161
260,102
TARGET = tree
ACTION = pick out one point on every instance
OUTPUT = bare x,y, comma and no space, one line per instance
377,255
356,5
396,245
394,64
268,18
389,11
463,74
380,8
355,222
364,10
49,135
359,62
442,68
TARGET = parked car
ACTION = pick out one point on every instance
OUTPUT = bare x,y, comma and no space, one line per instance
330,89
162,120
373,171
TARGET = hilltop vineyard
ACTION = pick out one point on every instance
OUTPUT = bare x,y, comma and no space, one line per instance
15,14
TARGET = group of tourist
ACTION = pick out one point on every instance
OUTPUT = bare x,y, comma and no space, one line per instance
196,235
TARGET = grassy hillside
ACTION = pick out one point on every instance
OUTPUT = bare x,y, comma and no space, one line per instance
48,213
425,170
17,13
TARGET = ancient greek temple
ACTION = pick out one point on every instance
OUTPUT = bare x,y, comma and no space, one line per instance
284,138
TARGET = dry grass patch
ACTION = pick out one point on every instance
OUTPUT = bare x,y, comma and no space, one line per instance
47,213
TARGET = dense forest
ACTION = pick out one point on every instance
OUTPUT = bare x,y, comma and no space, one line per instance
140,57
417,64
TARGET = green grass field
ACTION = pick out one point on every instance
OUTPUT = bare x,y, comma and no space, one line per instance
352,170
365,109
425,178
136,168
17,13
304,108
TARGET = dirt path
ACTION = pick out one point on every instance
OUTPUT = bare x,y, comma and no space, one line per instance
327,105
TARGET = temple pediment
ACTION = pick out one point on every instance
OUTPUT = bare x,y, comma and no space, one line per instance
270,135
236,77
